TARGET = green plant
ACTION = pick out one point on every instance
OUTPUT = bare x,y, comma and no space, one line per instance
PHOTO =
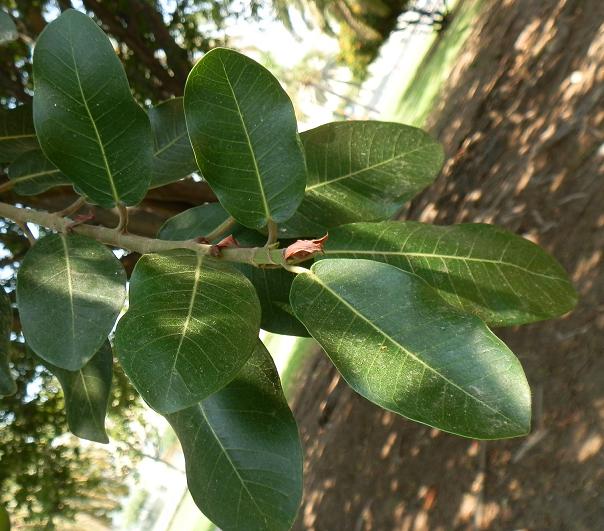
401,308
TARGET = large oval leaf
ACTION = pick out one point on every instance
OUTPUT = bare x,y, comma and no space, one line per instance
7,384
17,134
70,290
87,394
397,344
244,135
173,157
87,121
480,269
361,171
33,173
192,324
242,451
272,285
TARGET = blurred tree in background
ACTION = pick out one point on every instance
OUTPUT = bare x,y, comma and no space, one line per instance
361,26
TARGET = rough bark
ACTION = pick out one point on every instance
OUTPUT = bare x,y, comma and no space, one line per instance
522,122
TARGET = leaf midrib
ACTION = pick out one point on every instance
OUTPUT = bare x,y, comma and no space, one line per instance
185,326
228,457
17,137
408,352
96,131
30,176
69,287
367,168
441,256
249,143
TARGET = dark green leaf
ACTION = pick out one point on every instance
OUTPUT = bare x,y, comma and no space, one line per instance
194,223
87,394
243,130
173,157
87,121
33,173
8,30
361,171
7,384
17,134
70,290
192,324
480,269
397,344
242,451
273,287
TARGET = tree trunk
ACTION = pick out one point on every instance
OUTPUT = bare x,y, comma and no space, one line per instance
522,122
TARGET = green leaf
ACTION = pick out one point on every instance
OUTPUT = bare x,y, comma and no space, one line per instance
480,269
87,121
195,222
397,344
33,173
361,171
17,134
7,384
8,30
272,285
243,130
242,451
70,290
192,324
87,394
173,157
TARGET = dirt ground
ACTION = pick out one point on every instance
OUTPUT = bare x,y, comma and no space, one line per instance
522,121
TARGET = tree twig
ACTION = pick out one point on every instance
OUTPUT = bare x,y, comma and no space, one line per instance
256,256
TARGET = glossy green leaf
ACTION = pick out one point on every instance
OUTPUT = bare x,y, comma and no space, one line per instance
272,285
361,171
242,451
480,269
173,157
17,134
33,173
192,324
87,121
244,135
195,222
70,290
7,384
8,30
87,394
399,345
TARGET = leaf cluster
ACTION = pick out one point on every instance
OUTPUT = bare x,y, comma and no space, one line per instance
401,308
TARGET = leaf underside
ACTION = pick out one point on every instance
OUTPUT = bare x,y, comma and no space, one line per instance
192,324
242,451
480,269
87,121
33,173
397,344
70,290
17,134
243,131
361,171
